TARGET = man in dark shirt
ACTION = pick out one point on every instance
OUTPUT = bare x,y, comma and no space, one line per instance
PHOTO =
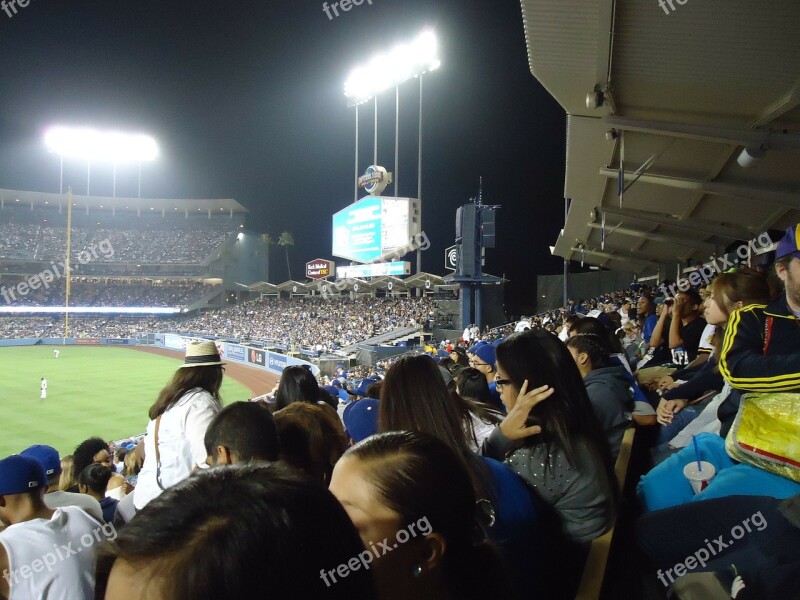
686,328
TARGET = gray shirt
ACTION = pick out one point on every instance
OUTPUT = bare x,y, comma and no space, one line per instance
582,494
57,499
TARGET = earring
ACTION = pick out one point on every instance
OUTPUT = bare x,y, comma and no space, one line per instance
416,571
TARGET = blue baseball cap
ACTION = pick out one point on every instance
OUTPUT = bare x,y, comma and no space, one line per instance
486,353
361,390
790,244
20,475
47,457
361,419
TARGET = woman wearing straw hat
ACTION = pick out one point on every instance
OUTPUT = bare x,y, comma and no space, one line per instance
178,421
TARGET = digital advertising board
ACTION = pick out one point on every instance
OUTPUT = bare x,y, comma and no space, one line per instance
373,228
394,269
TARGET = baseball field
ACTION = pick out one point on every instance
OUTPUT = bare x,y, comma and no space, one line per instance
91,391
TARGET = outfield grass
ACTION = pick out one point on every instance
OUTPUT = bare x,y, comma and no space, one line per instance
103,392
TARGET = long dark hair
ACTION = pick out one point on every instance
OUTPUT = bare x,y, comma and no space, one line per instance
297,384
414,397
420,478
474,396
208,378
566,417
247,530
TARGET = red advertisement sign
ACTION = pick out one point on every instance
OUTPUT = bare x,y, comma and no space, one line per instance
320,269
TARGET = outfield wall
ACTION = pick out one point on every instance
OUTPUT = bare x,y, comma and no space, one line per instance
250,356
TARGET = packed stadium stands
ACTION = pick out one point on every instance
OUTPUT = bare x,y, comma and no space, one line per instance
31,235
322,323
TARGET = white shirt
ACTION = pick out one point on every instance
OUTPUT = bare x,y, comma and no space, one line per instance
707,338
180,443
59,499
66,543
43,384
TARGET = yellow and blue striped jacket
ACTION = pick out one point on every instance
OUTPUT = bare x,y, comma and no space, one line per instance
743,361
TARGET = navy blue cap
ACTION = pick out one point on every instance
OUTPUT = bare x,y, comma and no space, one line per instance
47,457
20,475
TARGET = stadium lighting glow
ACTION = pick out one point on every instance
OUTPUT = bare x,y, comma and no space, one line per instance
390,69
101,146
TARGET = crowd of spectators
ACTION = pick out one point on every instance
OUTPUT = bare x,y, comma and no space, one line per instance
492,455
151,242
105,293
324,324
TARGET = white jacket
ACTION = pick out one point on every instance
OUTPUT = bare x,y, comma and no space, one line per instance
180,444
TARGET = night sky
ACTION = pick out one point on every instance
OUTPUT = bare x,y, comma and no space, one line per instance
246,100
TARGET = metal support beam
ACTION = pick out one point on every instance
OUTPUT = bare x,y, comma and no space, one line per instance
627,254
694,226
787,103
663,238
609,256
714,188
720,135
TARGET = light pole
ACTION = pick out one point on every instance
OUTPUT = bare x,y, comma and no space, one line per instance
391,70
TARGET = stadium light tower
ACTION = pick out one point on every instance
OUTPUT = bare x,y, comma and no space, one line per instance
391,70
93,145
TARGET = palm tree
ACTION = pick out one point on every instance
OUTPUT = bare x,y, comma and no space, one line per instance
267,240
286,239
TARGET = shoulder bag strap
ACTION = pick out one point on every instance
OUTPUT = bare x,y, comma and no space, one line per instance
158,456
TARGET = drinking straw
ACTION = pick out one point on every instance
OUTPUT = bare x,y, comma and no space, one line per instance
697,454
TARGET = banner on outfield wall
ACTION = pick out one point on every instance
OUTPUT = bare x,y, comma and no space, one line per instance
278,362
87,342
175,342
234,352
274,362
256,357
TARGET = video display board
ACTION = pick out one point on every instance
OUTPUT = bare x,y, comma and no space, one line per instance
373,228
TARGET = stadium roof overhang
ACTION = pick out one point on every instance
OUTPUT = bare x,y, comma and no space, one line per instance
420,278
685,92
263,287
382,283
168,205
294,286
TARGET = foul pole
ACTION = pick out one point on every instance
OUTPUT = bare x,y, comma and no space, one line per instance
66,262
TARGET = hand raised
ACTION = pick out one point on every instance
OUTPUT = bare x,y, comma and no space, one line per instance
515,426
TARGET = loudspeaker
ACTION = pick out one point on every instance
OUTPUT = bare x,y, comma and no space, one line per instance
487,228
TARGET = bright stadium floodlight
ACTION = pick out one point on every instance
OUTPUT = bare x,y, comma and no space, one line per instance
101,146
92,145
390,69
